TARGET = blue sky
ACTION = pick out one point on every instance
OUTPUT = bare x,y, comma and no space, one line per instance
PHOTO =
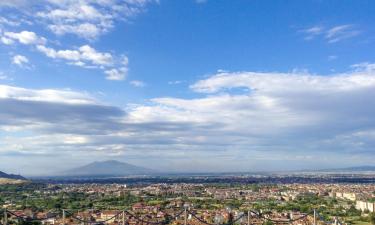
254,85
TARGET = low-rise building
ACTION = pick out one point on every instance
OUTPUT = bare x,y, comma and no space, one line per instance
365,206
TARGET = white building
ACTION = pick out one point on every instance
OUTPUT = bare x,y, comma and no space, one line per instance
362,205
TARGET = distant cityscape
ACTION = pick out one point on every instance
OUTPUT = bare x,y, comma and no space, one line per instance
299,199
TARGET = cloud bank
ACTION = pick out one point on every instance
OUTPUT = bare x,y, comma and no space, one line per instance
244,120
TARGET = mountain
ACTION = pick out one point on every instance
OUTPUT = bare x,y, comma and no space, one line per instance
11,176
108,168
355,169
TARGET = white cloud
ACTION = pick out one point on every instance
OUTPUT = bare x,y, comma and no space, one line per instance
6,41
78,18
137,83
3,76
278,111
124,60
338,33
175,82
5,21
277,117
88,19
86,30
364,66
20,60
45,95
116,74
331,34
88,57
312,32
75,139
23,37
71,55
279,82
332,57
83,53
98,58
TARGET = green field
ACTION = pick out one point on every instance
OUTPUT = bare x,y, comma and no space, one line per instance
361,223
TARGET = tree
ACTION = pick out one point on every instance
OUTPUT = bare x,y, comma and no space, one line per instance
372,218
268,222
230,219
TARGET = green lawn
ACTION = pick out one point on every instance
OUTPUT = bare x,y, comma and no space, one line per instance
361,223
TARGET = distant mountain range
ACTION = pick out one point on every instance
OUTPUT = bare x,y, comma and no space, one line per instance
108,168
354,169
11,176
113,168
351,169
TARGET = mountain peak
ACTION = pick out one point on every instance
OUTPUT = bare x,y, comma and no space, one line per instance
11,176
108,168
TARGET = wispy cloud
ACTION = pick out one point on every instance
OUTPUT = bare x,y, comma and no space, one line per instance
3,76
137,83
342,32
331,34
332,57
312,32
176,82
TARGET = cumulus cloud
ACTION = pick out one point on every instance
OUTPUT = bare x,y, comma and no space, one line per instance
23,37
90,54
6,41
82,54
87,19
274,118
88,57
117,74
20,60
275,111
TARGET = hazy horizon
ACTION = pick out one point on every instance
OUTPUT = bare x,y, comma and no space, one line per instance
186,86
156,171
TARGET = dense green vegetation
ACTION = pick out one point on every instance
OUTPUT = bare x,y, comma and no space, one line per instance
26,196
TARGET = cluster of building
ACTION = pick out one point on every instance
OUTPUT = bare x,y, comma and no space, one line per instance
360,196
144,214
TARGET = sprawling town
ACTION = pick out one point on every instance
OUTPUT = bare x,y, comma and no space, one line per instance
188,203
